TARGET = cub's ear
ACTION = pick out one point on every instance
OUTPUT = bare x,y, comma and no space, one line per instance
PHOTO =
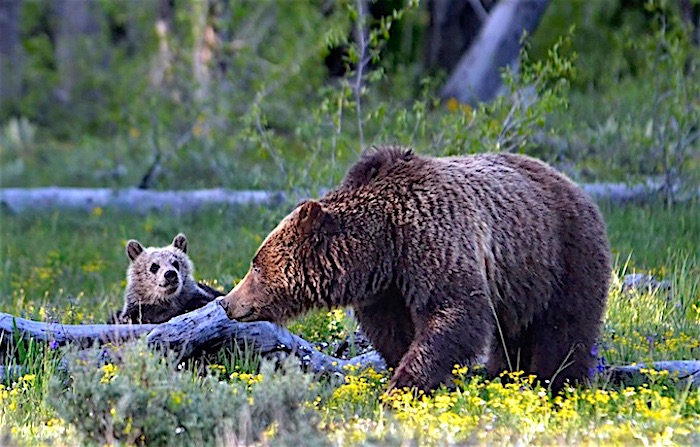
133,249
312,218
180,242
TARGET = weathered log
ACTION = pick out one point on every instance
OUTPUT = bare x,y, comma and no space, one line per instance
208,329
84,335
11,373
204,330
679,370
139,201
129,199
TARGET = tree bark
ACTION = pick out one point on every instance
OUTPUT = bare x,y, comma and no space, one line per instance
453,26
10,56
207,329
76,28
204,330
135,200
477,77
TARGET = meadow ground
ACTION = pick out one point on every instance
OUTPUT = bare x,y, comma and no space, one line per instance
69,267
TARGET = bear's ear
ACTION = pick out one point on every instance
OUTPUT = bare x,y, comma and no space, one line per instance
133,249
180,242
311,216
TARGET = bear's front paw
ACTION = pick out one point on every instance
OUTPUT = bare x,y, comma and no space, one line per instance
404,379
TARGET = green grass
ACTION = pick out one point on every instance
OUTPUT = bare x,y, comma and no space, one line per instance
75,262
653,236
70,266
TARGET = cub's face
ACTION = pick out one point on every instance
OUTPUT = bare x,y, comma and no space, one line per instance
283,280
156,275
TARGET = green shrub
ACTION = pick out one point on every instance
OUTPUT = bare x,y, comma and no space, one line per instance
144,398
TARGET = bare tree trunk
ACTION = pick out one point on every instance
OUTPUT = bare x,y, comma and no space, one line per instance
453,26
690,12
76,25
10,55
163,59
477,77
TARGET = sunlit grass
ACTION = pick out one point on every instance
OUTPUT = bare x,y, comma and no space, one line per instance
515,412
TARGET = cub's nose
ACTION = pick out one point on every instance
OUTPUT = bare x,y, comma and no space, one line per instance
170,275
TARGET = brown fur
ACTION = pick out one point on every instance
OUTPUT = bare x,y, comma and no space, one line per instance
439,257
160,284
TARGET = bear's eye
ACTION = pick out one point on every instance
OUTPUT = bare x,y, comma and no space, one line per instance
154,267
176,265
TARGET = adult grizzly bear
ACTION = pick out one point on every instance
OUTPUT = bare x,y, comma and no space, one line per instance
445,260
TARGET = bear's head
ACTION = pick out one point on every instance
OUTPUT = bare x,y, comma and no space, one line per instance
295,269
155,280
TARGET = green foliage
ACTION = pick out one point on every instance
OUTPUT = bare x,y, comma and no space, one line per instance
644,126
51,271
606,38
140,400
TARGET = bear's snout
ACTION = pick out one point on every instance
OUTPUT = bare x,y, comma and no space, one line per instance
236,304
236,309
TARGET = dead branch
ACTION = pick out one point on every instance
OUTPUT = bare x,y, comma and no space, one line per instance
204,330
140,201
207,329
84,335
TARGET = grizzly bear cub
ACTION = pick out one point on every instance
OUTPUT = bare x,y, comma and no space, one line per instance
445,261
160,284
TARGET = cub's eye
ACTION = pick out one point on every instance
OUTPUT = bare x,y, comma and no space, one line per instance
154,267
176,265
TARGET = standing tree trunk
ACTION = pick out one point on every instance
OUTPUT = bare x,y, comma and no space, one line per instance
477,77
690,12
76,28
10,55
453,26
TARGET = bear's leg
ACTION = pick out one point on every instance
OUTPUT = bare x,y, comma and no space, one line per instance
447,336
564,333
563,340
519,354
387,323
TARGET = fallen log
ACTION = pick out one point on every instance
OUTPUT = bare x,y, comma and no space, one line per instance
208,329
679,370
129,199
140,201
84,335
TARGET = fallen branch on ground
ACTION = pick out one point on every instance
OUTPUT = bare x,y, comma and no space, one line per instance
204,330
140,200
84,335
207,329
